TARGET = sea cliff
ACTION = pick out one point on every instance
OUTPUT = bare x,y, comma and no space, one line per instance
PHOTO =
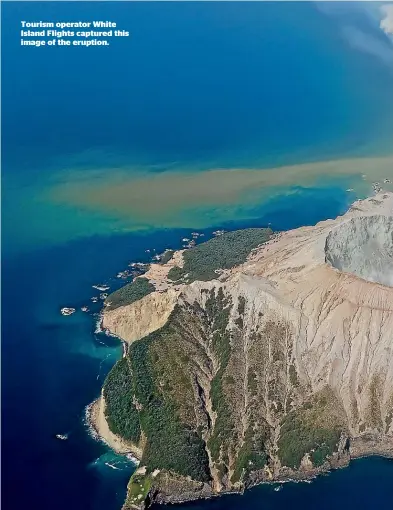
257,357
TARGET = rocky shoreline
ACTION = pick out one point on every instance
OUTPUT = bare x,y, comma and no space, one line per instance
361,448
371,445
186,491
174,489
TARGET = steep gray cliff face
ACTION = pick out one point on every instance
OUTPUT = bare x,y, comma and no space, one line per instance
363,246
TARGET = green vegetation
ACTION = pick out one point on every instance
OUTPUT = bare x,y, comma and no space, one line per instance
155,377
240,309
137,489
293,376
389,418
166,257
297,439
241,305
120,411
131,292
221,252
176,273
171,444
251,457
218,309
174,358
248,461
318,456
374,408
311,429
252,382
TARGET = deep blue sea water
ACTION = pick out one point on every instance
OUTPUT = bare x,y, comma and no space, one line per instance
207,84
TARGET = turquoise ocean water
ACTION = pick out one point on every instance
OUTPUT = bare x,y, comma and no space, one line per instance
196,86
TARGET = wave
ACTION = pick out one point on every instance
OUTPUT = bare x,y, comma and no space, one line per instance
98,328
111,465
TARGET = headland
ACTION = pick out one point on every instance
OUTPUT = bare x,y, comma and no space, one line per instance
255,357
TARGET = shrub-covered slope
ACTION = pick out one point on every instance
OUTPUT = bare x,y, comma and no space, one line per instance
130,293
221,252
217,394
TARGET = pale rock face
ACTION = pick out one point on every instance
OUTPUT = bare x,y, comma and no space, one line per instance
345,322
142,317
363,246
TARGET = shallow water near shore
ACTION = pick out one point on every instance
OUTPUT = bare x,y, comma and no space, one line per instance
247,100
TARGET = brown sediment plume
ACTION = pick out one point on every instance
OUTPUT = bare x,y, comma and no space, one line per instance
177,198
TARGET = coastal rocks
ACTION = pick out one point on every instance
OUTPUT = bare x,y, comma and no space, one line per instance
124,274
62,437
101,287
170,488
67,311
377,188
371,444
188,243
196,235
141,266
